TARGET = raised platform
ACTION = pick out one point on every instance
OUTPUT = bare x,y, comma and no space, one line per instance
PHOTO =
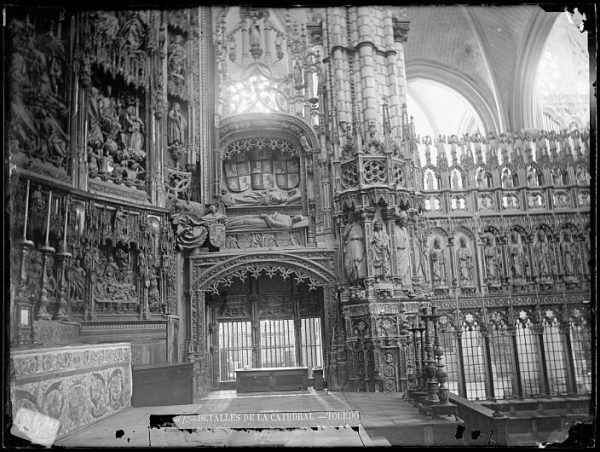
381,415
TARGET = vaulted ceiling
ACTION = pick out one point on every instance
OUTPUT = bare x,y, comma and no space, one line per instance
487,54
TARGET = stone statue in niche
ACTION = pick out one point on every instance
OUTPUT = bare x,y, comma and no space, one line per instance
491,259
402,249
134,31
569,253
438,264
76,280
154,301
543,255
176,58
132,138
465,263
354,249
517,256
532,177
380,251
177,125
109,118
94,130
507,180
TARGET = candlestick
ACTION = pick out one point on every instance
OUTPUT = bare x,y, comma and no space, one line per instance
48,218
64,249
26,210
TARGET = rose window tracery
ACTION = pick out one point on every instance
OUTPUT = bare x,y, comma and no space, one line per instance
375,172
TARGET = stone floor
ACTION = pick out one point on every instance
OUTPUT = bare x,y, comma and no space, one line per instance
381,415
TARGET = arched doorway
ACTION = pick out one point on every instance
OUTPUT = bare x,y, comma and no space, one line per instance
264,321
261,310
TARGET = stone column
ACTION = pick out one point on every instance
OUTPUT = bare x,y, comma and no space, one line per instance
366,59
453,269
400,30
479,243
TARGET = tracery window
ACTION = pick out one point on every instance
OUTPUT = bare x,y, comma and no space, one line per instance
554,352
501,359
582,353
256,94
474,359
528,356
448,342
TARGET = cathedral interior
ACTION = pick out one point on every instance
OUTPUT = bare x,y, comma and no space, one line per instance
393,199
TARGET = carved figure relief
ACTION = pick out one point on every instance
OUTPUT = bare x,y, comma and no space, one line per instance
38,111
116,138
274,220
176,62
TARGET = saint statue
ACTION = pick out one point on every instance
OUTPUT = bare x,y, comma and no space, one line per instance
176,126
542,253
567,248
380,251
402,249
465,262
354,249
489,255
516,254
438,266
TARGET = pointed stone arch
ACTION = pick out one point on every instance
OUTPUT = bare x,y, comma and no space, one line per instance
223,272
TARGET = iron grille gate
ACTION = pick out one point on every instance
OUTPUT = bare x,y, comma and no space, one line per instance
280,343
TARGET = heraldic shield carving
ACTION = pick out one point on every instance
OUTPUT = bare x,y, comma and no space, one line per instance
216,235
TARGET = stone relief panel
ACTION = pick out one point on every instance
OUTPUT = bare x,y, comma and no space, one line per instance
116,134
76,386
38,79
